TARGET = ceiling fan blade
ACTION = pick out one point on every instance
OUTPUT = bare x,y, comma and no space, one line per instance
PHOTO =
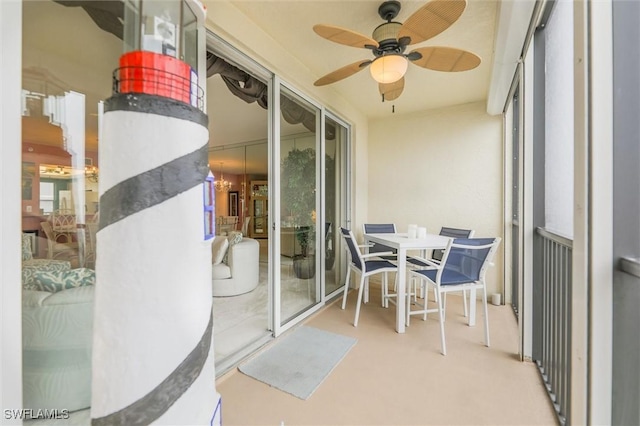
391,91
445,59
432,19
344,36
342,73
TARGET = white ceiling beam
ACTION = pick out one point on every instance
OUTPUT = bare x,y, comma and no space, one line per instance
514,17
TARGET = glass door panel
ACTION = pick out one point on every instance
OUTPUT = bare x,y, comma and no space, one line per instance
335,203
299,260
61,110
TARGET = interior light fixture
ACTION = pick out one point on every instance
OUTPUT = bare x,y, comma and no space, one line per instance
388,68
221,184
91,173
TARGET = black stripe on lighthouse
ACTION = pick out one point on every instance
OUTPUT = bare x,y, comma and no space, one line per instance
153,186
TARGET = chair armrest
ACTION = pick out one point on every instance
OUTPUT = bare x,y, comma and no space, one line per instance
432,264
378,254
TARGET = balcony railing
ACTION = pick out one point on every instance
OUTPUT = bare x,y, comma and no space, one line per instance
554,322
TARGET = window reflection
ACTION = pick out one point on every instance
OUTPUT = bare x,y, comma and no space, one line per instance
299,230
64,79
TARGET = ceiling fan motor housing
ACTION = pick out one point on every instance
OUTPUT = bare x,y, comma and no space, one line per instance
387,32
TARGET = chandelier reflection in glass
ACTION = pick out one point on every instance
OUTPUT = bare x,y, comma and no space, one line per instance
221,184
91,173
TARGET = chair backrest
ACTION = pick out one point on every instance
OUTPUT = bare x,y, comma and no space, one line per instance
245,225
468,256
48,232
63,220
352,248
379,228
327,233
453,233
456,232
92,232
230,220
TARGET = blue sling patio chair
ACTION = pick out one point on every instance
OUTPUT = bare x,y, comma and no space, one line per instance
436,256
389,228
366,265
381,228
463,267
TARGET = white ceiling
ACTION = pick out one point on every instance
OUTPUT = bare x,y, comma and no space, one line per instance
87,69
289,23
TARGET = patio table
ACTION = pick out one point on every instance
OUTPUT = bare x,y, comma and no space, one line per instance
402,243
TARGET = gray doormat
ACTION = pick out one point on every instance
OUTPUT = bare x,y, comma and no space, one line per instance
300,362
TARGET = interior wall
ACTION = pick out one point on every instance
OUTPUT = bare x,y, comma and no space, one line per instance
440,168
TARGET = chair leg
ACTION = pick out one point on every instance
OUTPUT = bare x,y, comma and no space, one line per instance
385,291
346,288
464,302
412,289
443,296
424,286
366,292
472,307
442,315
486,316
407,308
363,284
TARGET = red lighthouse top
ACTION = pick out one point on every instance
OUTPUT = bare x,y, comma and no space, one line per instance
165,50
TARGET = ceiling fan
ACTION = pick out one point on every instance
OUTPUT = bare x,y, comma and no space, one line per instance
390,40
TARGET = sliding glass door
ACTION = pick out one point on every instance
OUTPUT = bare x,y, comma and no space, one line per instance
300,227
286,160
335,201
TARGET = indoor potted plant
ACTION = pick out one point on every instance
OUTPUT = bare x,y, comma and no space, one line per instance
298,182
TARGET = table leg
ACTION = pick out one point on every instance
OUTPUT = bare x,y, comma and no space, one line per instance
400,298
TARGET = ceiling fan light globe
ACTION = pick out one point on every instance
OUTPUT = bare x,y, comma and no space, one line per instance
388,68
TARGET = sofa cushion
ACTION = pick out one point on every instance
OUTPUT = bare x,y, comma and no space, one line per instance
30,267
219,249
63,280
57,336
26,247
221,272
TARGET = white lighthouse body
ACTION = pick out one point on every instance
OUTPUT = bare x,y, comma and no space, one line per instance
153,357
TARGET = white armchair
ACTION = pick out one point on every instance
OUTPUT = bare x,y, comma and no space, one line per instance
239,273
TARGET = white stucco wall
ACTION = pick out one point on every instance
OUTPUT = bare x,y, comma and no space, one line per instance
440,168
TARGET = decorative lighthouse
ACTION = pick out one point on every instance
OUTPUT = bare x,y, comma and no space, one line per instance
153,326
